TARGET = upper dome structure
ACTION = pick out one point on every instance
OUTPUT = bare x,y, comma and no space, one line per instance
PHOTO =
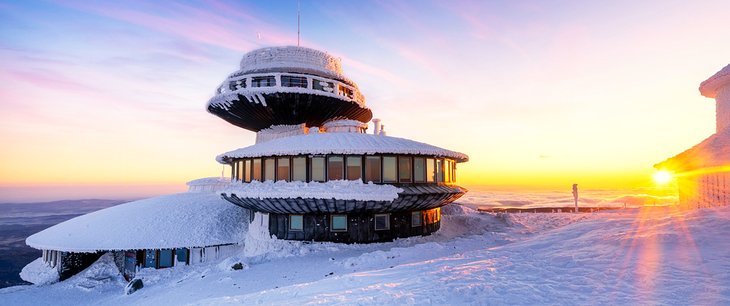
288,86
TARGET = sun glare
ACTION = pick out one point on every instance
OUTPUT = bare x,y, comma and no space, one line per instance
662,177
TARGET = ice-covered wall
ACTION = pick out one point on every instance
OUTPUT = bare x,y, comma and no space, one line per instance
722,115
280,131
705,190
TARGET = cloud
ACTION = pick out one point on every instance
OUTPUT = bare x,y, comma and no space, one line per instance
532,199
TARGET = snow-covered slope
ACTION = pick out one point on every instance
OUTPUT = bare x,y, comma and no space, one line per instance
178,220
634,256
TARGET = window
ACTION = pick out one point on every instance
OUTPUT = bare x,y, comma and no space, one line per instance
317,169
447,170
389,171
293,81
416,219
282,169
323,85
150,259
419,170
344,91
299,169
182,255
339,223
453,173
335,168
263,81
165,258
372,169
354,168
296,222
234,85
430,170
247,171
269,169
382,222
440,170
239,175
404,169
257,169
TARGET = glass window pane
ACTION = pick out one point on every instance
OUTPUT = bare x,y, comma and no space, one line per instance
263,81
389,169
419,169
453,173
382,222
240,170
293,81
354,168
404,169
323,85
247,170
372,169
269,169
282,169
440,170
182,255
335,168
234,171
296,222
415,219
317,169
339,222
299,169
165,258
257,169
150,259
430,170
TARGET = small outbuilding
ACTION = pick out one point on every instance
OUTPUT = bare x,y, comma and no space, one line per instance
160,232
703,171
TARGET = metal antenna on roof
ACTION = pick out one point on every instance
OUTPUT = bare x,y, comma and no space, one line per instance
298,19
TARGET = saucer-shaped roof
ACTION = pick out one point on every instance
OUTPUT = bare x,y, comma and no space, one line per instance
709,87
711,152
340,143
170,221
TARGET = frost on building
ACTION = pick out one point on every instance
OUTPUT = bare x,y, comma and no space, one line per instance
703,171
314,173
179,229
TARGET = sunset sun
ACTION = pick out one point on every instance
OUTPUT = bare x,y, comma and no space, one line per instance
662,177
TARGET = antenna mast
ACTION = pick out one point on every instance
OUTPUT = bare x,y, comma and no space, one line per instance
298,18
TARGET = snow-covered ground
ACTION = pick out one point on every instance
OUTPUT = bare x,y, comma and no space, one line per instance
654,255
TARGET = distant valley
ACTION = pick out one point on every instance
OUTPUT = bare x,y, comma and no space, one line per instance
20,220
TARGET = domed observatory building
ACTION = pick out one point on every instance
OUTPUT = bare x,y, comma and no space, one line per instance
314,173
703,171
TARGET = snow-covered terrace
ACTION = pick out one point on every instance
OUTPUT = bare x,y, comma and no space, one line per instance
340,143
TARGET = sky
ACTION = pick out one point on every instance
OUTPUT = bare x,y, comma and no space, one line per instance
106,99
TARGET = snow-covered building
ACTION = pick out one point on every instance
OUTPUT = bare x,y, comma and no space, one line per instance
185,228
314,171
703,171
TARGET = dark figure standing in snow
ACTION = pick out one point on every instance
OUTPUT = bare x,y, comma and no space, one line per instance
575,196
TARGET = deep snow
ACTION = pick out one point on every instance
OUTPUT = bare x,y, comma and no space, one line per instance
654,255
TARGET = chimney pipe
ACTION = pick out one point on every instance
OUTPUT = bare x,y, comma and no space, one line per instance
376,122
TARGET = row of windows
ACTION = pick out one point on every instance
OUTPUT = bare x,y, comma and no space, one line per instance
376,169
291,81
338,223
